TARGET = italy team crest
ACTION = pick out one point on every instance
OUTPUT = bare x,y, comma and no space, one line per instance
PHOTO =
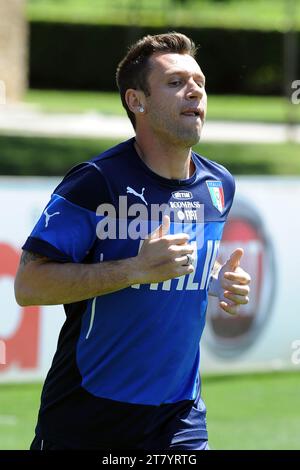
217,194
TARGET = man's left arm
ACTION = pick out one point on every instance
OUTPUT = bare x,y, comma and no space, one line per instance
230,283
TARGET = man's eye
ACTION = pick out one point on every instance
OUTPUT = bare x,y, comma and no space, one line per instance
175,82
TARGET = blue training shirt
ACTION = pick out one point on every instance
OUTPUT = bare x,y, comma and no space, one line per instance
125,357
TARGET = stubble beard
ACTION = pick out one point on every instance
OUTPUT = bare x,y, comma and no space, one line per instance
180,135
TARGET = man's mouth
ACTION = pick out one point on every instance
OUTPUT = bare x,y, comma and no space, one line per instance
192,112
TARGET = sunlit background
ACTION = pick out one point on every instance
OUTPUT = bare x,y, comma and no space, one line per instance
59,106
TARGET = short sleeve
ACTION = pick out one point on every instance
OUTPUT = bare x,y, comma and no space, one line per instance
229,191
66,229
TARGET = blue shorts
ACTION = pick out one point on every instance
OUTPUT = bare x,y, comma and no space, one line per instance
184,430
180,427
191,443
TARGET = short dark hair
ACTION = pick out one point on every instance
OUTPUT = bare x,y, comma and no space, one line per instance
133,70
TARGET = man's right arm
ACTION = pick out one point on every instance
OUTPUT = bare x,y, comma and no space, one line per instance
41,281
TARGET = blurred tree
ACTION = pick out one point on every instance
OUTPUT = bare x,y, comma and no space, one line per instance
13,50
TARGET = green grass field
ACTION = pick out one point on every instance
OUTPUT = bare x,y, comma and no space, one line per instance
258,14
259,411
235,108
54,156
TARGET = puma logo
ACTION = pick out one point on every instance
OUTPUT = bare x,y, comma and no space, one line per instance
140,195
48,217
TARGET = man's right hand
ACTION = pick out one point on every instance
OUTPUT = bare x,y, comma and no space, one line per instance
163,256
42,281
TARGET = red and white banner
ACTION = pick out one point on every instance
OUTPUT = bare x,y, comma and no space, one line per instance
28,335
266,335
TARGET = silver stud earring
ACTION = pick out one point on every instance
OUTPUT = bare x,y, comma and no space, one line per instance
141,109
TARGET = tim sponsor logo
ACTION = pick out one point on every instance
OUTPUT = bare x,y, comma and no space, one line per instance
182,195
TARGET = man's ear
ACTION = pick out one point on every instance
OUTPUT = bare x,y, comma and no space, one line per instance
135,100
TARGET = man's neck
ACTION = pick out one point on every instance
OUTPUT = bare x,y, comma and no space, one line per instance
164,159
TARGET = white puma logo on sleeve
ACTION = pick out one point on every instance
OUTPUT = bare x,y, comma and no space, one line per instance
48,217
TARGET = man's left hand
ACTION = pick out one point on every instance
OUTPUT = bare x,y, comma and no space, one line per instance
232,284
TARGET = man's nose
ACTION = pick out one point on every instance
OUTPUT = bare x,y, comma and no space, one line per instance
194,90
